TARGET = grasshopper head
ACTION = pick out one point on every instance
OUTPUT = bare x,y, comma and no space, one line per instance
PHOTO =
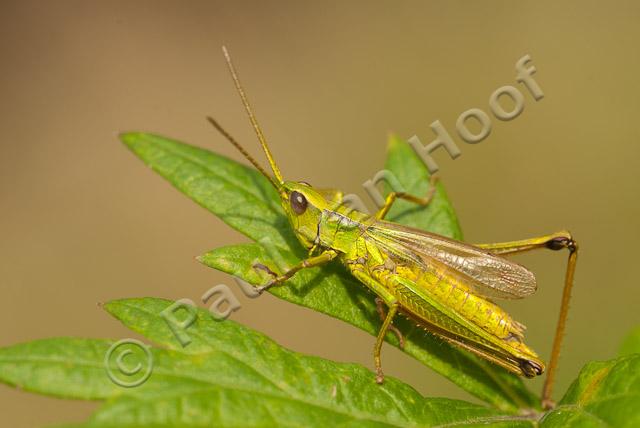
303,205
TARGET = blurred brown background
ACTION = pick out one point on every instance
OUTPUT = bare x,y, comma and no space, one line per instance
83,221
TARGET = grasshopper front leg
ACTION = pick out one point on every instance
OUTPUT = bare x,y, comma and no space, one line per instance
392,303
393,196
393,309
393,328
322,258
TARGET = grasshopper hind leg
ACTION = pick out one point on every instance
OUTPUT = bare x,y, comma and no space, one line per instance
556,241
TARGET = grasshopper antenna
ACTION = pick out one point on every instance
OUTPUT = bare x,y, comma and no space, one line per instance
252,118
237,145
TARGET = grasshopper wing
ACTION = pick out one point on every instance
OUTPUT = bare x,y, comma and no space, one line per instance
489,275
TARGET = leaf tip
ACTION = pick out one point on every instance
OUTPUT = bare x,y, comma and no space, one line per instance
129,138
393,141
206,259
111,307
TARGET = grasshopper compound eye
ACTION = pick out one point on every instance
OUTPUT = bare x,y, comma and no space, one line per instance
298,202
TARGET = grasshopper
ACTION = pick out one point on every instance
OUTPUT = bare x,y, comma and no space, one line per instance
443,285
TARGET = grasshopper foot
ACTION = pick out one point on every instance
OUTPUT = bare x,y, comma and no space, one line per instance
263,288
274,281
548,404
379,376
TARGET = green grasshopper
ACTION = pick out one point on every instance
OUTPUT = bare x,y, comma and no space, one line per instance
444,285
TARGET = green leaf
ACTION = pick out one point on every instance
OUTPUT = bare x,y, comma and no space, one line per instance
225,188
231,191
65,367
631,344
228,376
439,216
606,394
232,376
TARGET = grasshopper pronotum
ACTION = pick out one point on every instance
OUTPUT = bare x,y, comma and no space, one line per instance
442,284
